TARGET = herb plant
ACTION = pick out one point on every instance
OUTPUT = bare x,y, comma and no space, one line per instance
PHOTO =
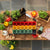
2,27
43,14
7,13
15,14
2,17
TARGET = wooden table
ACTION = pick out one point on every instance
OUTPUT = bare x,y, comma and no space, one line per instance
24,37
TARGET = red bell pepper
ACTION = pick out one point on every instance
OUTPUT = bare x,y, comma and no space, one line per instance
8,19
34,35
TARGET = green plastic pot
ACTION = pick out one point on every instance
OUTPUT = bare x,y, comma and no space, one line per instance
14,31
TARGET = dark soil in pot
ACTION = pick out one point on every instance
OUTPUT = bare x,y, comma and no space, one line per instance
46,18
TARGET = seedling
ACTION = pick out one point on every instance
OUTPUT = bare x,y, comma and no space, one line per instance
10,23
2,27
43,14
2,17
7,13
15,14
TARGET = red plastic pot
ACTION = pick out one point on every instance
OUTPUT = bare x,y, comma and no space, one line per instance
18,23
14,22
34,23
25,23
22,23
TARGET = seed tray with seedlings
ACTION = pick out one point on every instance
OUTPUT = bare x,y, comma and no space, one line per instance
43,15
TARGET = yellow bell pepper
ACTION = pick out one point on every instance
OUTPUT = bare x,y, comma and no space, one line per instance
6,23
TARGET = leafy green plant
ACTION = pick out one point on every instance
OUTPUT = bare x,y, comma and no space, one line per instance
3,43
2,27
9,43
43,14
18,13
15,14
10,22
2,17
7,13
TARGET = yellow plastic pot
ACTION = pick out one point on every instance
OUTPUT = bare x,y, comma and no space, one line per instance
30,27
26,27
18,27
34,27
14,27
22,27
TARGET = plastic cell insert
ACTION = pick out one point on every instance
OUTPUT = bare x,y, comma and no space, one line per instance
14,22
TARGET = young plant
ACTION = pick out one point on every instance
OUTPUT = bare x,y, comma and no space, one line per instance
43,14
2,27
7,13
3,43
10,22
15,14
9,43
2,17
18,13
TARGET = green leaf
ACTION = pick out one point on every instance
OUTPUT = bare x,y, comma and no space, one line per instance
2,17
10,23
14,16
2,27
7,12
43,14
3,42
18,14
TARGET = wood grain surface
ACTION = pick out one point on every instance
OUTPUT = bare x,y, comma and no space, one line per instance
26,37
